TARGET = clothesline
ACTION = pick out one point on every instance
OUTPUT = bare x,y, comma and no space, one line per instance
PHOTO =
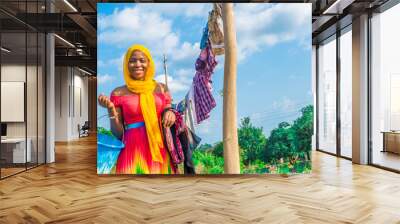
199,101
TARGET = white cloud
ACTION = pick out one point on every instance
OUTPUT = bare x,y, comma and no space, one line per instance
206,127
132,25
102,79
100,63
175,85
285,104
179,9
114,63
265,25
187,50
150,25
117,62
159,65
257,25
178,80
185,73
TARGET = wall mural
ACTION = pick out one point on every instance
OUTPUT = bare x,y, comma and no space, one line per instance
204,88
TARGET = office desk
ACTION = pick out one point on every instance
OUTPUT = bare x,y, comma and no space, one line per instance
391,141
15,148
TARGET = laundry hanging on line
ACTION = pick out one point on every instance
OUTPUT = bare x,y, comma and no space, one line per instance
203,98
204,38
190,111
215,29
186,107
199,101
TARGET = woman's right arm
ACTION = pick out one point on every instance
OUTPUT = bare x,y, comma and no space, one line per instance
116,120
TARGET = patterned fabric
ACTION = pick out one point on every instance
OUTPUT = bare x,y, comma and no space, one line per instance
170,144
180,107
190,110
180,142
136,157
172,139
204,101
215,28
189,142
204,38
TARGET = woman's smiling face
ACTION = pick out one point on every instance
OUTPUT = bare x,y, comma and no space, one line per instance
137,65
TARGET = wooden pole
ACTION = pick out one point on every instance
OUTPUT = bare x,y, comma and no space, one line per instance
165,71
230,136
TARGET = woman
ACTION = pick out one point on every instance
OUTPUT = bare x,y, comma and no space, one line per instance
135,116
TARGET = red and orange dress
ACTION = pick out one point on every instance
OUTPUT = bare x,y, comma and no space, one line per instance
136,157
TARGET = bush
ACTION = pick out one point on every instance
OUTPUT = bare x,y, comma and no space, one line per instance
207,163
101,130
218,149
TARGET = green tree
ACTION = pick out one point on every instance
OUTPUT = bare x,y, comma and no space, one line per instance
303,129
218,149
204,147
252,141
280,143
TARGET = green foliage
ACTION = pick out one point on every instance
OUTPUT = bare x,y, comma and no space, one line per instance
287,150
291,142
204,147
101,130
303,129
257,167
251,140
207,163
280,143
218,149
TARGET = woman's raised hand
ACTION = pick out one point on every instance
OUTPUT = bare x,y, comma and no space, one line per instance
104,101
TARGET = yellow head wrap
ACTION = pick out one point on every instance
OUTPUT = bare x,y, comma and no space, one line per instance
147,103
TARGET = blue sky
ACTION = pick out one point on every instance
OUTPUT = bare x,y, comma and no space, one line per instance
274,56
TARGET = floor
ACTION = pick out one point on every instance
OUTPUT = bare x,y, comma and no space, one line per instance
387,159
10,171
13,170
69,191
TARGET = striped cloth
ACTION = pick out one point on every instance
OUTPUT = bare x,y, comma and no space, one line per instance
204,101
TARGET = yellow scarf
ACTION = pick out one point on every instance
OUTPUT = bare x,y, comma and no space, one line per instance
147,103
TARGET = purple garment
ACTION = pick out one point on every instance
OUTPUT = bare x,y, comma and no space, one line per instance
172,141
203,99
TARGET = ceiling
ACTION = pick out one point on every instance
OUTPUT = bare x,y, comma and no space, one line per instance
73,20
76,22
331,15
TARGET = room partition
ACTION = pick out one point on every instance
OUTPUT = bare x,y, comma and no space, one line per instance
23,87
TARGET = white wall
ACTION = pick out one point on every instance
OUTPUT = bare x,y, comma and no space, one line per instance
61,104
34,125
13,73
81,94
70,83
10,73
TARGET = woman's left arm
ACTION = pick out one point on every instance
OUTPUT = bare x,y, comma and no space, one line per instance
169,116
